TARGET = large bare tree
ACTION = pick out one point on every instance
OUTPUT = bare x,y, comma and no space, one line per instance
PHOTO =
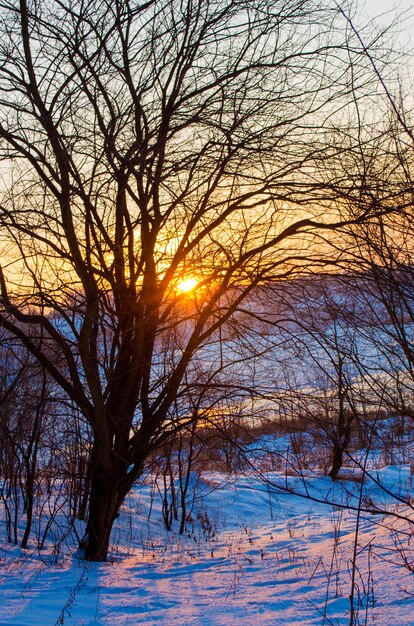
145,144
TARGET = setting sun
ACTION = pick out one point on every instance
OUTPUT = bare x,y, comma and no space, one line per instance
187,285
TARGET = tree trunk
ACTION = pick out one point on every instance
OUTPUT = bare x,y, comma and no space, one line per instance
340,445
104,503
336,459
85,490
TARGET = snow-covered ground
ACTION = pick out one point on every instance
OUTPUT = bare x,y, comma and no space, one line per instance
252,554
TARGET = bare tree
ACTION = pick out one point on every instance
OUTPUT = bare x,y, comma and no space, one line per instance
323,335
386,295
145,144
24,398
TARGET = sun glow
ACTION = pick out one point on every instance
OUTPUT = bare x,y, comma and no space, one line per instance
187,285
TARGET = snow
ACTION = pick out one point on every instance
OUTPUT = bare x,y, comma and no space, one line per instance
255,552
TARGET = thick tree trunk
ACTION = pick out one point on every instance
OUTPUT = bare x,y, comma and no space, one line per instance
107,491
104,504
